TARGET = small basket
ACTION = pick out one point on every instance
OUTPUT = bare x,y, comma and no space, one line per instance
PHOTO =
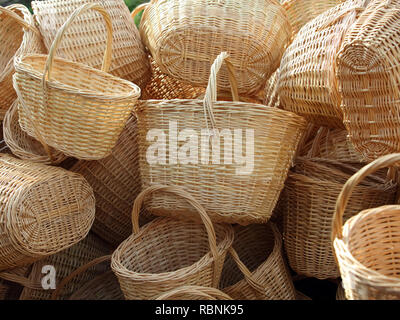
43,210
256,269
85,40
168,253
71,107
194,293
18,36
310,195
367,246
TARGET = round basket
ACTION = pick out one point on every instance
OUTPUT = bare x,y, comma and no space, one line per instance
129,55
368,75
194,293
72,107
218,130
256,269
168,253
18,36
43,210
310,196
366,247
184,37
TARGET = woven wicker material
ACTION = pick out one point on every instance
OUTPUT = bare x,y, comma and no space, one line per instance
310,196
194,293
185,37
256,269
18,36
129,56
271,97
24,146
43,210
368,77
64,263
340,294
226,194
168,253
307,81
10,287
366,247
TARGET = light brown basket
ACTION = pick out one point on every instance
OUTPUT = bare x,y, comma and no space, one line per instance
86,40
18,36
307,82
168,253
367,246
74,108
256,269
43,210
184,37
24,146
368,76
194,293
310,195
227,191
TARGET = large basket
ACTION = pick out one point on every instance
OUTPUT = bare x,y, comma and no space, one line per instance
229,192
369,79
256,269
18,36
43,210
194,293
168,253
129,56
307,82
184,37
310,196
74,108
367,246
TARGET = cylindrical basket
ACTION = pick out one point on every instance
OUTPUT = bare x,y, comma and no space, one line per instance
194,293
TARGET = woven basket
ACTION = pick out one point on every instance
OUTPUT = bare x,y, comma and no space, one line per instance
85,40
368,76
307,82
310,195
271,97
43,210
229,193
194,293
74,108
168,253
184,37
256,269
18,36
24,146
366,247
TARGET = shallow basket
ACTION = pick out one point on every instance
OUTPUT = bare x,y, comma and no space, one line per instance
230,192
310,196
194,293
367,246
43,210
85,40
184,37
18,36
368,75
72,107
169,253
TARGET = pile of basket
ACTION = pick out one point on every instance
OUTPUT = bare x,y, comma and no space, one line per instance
202,153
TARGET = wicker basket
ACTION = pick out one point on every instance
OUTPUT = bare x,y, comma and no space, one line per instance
185,37
261,272
229,193
310,195
368,76
18,36
43,210
307,82
194,293
168,253
24,146
271,97
366,247
13,281
86,39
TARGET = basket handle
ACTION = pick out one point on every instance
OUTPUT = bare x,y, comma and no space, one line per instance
212,240
23,281
202,292
139,8
347,190
11,14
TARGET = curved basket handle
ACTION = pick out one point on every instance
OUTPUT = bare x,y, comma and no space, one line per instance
23,281
139,8
212,240
202,292
77,272
11,14
347,190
